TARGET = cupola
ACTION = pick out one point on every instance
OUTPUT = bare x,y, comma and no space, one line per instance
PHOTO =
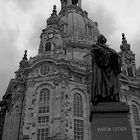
71,28
54,19
77,27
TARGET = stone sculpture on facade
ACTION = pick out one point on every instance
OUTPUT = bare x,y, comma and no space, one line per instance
106,65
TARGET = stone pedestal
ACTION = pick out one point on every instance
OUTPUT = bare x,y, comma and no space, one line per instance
110,121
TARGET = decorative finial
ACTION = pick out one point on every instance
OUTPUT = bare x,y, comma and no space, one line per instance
125,47
54,19
124,41
54,10
123,36
24,60
25,56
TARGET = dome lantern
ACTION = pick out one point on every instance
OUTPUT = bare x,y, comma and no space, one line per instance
65,3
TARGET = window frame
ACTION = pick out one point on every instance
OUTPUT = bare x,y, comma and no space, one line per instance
42,133
44,70
138,133
136,116
130,72
43,120
78,115
49,47
44,103
77,105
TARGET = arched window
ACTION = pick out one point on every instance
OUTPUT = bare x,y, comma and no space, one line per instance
78,105
43,114
78,117
136,115
48,46
130,72
44,95
44,101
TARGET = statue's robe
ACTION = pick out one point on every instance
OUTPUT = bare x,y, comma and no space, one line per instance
106,65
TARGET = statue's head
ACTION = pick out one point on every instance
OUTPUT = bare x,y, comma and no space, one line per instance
102,39
75,2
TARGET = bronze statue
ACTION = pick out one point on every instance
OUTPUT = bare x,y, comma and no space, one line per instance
106,66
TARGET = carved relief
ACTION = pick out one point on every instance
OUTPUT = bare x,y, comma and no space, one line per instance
61,76
30,83
80,39
58,43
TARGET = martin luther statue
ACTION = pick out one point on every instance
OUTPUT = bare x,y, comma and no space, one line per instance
106,66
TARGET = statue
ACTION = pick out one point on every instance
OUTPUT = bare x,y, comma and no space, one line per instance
106,66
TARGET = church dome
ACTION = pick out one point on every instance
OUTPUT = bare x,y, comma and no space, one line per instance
77,26
71,28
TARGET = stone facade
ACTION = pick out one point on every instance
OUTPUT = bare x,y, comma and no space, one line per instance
50,95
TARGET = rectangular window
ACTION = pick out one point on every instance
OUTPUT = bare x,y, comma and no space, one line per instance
43,120
138,133
78,105
78,129
136,115
43,109
78,111
42,134
130,72
48,46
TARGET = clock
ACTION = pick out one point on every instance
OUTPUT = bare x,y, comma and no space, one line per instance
50,35
127,61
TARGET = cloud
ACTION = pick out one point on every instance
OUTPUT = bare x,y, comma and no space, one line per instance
106,22
25,5
33,40
105,19
22,22
20,29
135,47
8,56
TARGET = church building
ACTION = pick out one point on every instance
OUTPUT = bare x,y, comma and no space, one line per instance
49,98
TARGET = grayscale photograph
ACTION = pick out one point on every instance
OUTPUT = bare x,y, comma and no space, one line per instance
70,70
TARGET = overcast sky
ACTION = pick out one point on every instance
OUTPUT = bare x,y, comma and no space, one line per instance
21,22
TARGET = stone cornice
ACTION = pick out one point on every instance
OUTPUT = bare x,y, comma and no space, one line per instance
79,67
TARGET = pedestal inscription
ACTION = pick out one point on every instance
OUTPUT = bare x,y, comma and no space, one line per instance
110,122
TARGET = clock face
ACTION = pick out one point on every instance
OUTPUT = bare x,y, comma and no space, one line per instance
50,35
127,61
